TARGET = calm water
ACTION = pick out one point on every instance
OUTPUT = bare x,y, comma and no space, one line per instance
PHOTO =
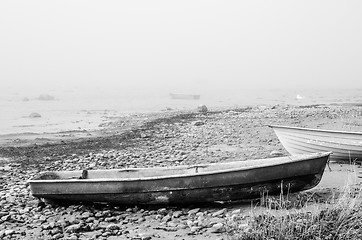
79,108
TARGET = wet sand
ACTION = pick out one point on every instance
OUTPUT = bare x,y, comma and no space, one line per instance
147,140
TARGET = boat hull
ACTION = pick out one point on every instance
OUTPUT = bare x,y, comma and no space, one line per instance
184,96
294,173
345,146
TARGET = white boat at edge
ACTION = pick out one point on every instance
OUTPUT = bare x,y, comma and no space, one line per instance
345,146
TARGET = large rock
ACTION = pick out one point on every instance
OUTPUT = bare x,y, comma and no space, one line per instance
45,97
34,115
202,108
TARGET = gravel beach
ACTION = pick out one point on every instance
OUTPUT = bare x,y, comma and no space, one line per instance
148,140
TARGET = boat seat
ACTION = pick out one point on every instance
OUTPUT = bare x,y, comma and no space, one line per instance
84,174
197,167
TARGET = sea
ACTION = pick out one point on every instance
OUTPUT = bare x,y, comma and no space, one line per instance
78,108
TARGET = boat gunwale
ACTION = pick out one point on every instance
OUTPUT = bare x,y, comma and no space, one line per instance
315,129
302,157
339,145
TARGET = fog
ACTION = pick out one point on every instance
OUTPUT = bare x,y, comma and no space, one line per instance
180,45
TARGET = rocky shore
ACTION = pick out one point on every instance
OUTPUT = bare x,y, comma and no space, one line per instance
163,139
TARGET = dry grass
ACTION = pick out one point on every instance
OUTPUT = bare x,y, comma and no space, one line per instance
351,121
338,218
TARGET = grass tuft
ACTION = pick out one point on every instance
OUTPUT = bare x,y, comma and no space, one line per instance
303,217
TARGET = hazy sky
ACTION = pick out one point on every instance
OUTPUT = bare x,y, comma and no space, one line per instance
170,43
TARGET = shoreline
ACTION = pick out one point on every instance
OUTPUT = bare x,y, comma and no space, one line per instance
148,140
118,124
108,125
124,122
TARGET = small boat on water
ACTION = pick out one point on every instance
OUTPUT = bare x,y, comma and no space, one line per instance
183,184
345,146
185,96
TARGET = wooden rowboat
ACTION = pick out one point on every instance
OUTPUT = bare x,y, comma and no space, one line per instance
184,96
183,184
345,146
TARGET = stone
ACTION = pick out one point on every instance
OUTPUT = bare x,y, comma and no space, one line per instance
193,211
112,227
45,97
219,213
202,109
275,153
199,123
194,229
177,214
110,219
34,115
72,237
73,220
145,236
237,211
90,219
182,226
218,228
189,223
172,224
166,218
9,232
6,218
5,169
85,215
162,211
73,228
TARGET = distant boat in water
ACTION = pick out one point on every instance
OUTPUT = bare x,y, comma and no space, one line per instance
185,96
299,97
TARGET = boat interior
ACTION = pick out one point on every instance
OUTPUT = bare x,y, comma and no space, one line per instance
132,173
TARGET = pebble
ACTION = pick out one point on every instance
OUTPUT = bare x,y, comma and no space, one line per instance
276,153
73,228
59,236
193,211
218,228
112,227
199,123
214,137
177,214
219,213
145,236
162,211
9,232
